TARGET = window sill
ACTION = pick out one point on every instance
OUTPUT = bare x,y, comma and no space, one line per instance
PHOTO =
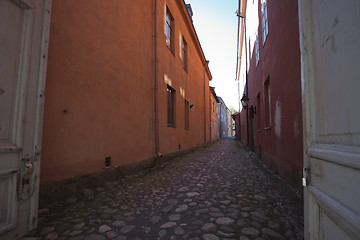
259,130
267,128
173,126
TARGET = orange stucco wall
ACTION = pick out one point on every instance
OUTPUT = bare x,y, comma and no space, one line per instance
100,86
194,85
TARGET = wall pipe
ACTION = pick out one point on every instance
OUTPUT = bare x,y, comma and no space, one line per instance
246,81
204,104
156,76
238,59
210,117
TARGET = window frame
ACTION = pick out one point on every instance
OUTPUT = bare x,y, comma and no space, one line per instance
169,30
184,54
187,115
171,106
267,99
264,21
257,50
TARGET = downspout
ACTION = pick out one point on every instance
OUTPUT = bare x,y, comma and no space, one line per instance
156,76
239,125
210,116
247,111
238,67
246,84
204,105
221,120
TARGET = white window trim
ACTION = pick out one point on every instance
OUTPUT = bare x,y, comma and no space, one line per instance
264,20
257,54
169,25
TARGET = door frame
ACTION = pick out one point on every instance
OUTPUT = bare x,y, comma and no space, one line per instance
40,100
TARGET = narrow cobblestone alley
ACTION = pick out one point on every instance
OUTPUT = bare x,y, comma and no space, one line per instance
217,192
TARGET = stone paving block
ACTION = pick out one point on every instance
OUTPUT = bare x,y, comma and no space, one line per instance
217,192
127,228
95,237
168,225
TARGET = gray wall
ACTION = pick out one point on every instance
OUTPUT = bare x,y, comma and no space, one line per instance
225,119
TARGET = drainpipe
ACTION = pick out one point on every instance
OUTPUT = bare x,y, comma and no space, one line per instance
221,120
210,117
156,76
246,82
239,125
204,105
247,111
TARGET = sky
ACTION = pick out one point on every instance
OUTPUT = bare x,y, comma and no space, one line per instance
215,22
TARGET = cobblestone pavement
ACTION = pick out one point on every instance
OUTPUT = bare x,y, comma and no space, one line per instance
217,192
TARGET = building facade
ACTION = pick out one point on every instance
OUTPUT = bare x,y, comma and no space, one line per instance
237,125
214,117
127,82
226,121
269,78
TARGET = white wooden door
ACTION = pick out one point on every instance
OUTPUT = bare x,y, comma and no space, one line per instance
330,57
24,26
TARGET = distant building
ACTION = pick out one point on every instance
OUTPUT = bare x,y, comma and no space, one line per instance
226,121
237,124
214,116
269,77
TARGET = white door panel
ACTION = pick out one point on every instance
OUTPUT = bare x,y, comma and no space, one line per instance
336,58
8,201
13,76
23,56
330,60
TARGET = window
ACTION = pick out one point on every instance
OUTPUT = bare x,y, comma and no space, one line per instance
169,30
257,55
250,50
258,112
187,112
184,53
264,18
170,106
267,103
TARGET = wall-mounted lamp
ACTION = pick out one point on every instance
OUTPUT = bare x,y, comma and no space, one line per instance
244,101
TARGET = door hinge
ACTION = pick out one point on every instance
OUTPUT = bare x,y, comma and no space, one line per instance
306,176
